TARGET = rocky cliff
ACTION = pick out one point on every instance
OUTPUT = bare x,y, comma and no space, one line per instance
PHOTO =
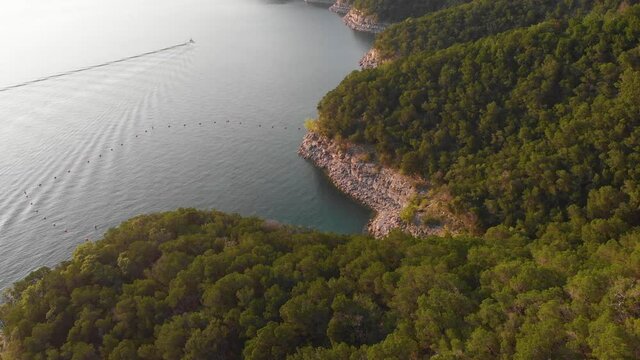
384,190
372,59
341,7
358,21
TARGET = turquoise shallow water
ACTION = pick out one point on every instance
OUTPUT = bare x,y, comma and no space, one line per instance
210,125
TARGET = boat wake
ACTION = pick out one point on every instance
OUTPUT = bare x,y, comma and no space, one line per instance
190,42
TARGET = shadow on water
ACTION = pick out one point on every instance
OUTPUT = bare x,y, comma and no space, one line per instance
318,4
350,210
323,5
277,2
363,37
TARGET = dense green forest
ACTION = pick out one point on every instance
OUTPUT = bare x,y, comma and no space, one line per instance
205,285
476,20
396,10
527,111
522,127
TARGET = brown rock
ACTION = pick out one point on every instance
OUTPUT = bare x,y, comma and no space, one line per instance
382,189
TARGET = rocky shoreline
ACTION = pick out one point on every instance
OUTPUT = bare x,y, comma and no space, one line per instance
384,190
357,20
371,59
340,7
319,2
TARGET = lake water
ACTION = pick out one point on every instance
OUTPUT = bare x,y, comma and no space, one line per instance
209,125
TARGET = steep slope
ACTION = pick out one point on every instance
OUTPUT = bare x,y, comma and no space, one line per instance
201,285
521,127
375,15
475,20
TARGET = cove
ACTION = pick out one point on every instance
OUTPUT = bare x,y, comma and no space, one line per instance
213,125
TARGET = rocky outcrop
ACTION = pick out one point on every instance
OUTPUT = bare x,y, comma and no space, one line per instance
358,21
384,190
3,344
320,2
372,59
341,7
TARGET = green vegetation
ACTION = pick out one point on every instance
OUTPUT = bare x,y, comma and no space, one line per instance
525,111
396,10
409,213
202,285
311,125
523,127
475,20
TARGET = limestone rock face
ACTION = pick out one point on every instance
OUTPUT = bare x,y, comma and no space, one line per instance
358,21
371,59
382,189
341,7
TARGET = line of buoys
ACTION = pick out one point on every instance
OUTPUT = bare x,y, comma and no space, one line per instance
26,194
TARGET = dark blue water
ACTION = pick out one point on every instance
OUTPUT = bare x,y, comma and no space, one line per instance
210,125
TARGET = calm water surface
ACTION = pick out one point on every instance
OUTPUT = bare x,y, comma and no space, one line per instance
210,125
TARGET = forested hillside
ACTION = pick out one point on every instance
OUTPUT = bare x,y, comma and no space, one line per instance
526,111
524,127
204,285
478,19
396,10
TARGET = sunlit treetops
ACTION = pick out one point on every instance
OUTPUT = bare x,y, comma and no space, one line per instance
523,127
197,285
